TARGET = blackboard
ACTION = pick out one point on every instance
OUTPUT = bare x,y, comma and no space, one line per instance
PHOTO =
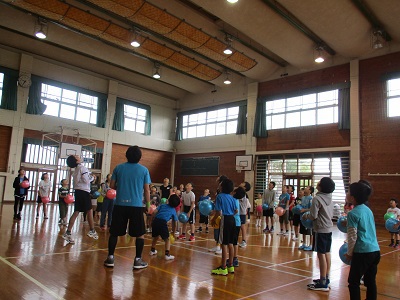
200,166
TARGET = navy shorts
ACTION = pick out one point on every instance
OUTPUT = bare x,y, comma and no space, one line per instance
83,201
159,227
268,212
323,242
242,219
122,215
296,220
203,219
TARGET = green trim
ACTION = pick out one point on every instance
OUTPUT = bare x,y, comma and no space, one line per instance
211,108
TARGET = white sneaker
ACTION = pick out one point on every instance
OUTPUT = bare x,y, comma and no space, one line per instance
176,233
280,233
68,238
294,238
218,251
286,233
93,234
243,244
153,252
216,248
169,257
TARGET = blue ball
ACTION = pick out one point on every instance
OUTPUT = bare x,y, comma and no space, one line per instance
183,218
96,194
390,223
342,227
205,207
297,209
342,252
265,206
307,223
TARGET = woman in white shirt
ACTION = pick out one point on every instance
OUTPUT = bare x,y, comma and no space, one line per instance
44,191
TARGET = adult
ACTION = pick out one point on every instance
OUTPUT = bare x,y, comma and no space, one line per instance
132,182
19,193
165,189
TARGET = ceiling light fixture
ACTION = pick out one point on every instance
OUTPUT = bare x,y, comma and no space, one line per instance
156,73
135,41
228,40
227,80
319,58
377,37
232,1
41,28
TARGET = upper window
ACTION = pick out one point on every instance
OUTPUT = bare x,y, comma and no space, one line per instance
393,97
69,104
135,118
1,85
210,123
305,110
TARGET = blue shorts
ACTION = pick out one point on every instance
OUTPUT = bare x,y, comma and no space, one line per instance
323,242
242,219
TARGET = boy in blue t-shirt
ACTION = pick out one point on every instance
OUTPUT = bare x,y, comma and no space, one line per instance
225,205
203,218
161,216
284,203
306,204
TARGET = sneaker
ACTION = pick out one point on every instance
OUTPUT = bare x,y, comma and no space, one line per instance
199,230
182,237
235,262
169,257
139,264
328,282
192,238
302,247
280,233
37,216
216,248
220,271
60,222
68,238
231,269
93,234
207,230
46,217
395,246
243,244
151,253
286,233
318,287
266,230
308,248
391,244
148,230
294,238
362,280
176,233
272,230
109,262
218,251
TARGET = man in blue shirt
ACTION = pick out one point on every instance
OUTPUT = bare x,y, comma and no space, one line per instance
132,181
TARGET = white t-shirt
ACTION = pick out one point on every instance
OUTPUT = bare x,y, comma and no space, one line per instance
44,188
188,198
395,211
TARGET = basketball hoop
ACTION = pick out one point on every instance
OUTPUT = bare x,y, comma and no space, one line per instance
239,168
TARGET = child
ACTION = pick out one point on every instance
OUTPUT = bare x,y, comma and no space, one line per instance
44,191
296,217
396,211
292,200
321,212
204,219
19,193
108,204
177,209
363,249
258,206
62,193
244,206
284,199
239,194
154,200
347,207
269,199
161,216
225,205
306,204
188,199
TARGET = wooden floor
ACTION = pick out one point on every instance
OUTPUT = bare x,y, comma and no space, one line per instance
36,263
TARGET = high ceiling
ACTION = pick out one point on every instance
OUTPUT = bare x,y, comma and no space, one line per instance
185,39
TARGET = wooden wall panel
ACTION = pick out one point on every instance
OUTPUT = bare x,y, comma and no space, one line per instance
227,163
158,162
5,137
380,135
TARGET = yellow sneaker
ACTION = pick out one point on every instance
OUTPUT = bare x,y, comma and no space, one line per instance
220,271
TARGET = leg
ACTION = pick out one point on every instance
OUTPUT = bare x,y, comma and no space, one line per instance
37,210
139,243
112,244
72,220
370,275
110,211
104,210
167,245
154,242
355,274
328,264
45,210
231,249
224,255
21,204
16,202
244,233
89,215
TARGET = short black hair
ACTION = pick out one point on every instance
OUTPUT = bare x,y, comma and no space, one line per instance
221,178
293,188
42,177
133,154
273,183
71,161
226,186
311,189
361,191
395,200
247,186
62,180
327,185
239,193
174,200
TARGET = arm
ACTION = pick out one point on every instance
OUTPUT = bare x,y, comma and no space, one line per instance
192,204
146,188
351,241
313,210
113,185
16,183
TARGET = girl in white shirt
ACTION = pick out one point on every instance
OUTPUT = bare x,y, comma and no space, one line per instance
44,191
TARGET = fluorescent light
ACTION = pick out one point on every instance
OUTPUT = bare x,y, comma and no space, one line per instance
232,1
40,34
227,81
228,51
319,59
156,75
135,44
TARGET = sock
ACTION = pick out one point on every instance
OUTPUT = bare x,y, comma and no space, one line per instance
167,252
397,242
392,240
323,280
153,249
192,234
327,276
112,243
139,247
68,232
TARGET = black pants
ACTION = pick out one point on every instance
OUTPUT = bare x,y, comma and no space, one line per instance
364,264
18,203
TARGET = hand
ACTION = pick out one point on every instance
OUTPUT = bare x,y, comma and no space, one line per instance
348,257
304,217
212,222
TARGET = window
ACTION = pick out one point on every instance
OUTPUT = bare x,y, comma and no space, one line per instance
135,118
393,97
305,110
69,104
210,123
1,85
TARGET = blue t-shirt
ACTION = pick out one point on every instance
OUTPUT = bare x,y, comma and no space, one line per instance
306,201
283,199
166,213
237,216
204,198
226,203
361,218
21,190
130,179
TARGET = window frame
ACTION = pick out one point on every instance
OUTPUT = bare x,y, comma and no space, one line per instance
136,119
389,98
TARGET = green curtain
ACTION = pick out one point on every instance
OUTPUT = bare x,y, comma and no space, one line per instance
344,108
9,95
35,105
242,120
147,130
119,117
260,120
101,111
179,127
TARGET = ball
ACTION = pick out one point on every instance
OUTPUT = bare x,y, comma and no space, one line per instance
183,218
171,238
24,184
217,222
280,211
163,200
265,206
96,194
69,199
307,223
45,200
205,207
390,225
297,209
342,224
342,252
389,215
111,194
152,208
259,208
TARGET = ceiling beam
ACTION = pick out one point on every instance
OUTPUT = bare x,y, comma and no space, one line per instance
372,19
296,23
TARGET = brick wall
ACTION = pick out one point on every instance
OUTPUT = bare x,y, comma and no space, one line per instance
380,135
